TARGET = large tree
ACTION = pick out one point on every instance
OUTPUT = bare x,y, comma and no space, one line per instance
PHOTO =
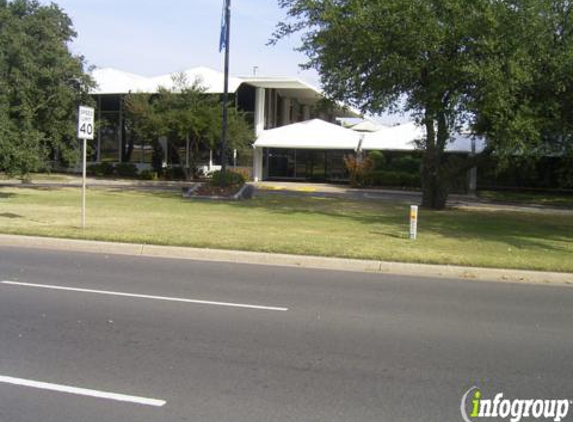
451,63
41,85
185,115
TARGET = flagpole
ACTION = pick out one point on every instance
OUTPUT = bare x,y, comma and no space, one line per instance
226,93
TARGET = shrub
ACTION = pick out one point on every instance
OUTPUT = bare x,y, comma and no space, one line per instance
378,159
148,175
126,170
360,170
174,173
565,173
395,179
233,178
100,170
407,163
245,172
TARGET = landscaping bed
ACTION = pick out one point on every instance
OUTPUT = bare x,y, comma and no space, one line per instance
207,189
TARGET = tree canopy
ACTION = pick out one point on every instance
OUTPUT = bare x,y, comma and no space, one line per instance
483,64
41,85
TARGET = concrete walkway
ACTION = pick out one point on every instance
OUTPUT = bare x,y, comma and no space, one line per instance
400,196
71,181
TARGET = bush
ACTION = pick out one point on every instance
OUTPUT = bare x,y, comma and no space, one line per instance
407,163
395,179
174,173
378,159
100,170
233,178
148,175
245,172
126,170
565,173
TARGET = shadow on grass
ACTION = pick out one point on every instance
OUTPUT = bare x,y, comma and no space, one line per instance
10,215
515,229
6,195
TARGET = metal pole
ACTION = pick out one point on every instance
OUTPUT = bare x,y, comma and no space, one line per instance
226,94
84,159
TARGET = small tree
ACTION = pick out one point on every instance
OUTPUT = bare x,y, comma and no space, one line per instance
184,114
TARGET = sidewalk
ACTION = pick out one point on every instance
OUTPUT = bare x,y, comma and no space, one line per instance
399,196
76,182
283,260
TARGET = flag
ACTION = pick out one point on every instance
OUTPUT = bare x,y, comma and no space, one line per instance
223,39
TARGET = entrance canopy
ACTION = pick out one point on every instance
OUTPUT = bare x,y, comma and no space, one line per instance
406,137
312,134
318,134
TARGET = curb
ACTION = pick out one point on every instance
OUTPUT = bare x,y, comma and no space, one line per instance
284,260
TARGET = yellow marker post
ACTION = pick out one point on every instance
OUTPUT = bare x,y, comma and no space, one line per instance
413,222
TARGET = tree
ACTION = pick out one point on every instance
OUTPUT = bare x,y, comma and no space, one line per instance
41,85
450,63
184,115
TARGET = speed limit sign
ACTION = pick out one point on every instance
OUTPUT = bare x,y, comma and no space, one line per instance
86,123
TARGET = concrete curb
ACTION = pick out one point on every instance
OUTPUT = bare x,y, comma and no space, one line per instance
246,192
314,262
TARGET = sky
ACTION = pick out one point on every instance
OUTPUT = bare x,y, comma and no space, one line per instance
153,38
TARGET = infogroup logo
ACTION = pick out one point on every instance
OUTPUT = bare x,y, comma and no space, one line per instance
514,410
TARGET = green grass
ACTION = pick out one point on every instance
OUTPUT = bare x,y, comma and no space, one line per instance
315,226
529,198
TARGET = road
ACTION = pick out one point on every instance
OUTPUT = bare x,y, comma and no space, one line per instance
229,342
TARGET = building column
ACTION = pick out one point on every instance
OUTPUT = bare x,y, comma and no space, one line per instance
286,111
305,112
258,164
260,97
259,111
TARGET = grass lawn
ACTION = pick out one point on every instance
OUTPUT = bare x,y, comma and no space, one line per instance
315,226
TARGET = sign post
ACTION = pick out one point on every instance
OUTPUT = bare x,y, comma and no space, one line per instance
85,132
413,222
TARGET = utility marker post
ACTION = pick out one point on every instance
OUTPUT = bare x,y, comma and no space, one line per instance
85,132
413,222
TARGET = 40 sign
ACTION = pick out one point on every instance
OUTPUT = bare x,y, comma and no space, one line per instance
86,123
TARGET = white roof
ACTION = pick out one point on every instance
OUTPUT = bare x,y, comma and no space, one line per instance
366,126
312,134
404,138
113,81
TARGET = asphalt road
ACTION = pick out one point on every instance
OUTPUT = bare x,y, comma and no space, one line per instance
310,345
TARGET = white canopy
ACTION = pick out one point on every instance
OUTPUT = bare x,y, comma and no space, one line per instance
312,134
405,137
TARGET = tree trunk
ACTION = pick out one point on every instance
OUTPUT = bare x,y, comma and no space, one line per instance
435,188
435,183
